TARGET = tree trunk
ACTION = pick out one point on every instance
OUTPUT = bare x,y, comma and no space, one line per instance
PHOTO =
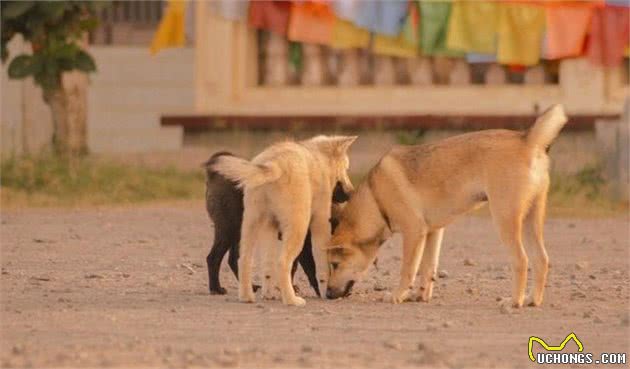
69,112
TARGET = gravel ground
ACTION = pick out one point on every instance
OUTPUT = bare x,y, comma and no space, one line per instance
127,286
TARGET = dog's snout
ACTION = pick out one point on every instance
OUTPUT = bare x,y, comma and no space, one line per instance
331,294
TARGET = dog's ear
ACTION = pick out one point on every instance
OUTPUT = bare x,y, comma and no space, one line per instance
342,143
334,145
337,242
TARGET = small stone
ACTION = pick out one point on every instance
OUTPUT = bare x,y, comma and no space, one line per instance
421,346
597,320
571,225
378,286
17,350
392,345
126,275
226,360
469,262
505,307
578,294
443,274
581,265
619,288
625,321
471,291
93,276
592,276
447,324
307,348
587,314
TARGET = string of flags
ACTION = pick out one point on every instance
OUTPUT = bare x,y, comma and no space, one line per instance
510,32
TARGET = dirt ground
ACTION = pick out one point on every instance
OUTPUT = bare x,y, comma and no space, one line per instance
127,287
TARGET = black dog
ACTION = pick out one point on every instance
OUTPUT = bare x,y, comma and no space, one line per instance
224,202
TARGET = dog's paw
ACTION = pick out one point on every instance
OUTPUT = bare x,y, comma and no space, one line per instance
271,293
424,294
513,303
246,296
398,297
218,291
296,301
531,301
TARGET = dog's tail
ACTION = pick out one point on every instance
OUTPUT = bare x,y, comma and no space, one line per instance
213,160
547,127
245,173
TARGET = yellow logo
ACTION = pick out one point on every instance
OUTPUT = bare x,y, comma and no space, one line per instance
560,347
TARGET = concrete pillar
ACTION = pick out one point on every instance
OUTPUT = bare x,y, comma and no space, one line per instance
349,68
460,74
613,138
420,71
384,73
313,65
276,62
583,86
495,75
535,76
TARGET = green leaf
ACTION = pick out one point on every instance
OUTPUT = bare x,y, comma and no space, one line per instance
14,9
21,66
84,62
88,24
66,51
52,10
295,55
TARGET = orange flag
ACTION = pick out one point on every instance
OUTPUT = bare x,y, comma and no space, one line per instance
567,26
311,22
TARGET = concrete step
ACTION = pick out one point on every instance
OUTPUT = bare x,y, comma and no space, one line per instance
141,98
136,140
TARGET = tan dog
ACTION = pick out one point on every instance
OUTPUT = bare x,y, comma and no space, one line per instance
418,190
286,187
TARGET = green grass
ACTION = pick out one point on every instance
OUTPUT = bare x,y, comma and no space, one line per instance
50,181
584,193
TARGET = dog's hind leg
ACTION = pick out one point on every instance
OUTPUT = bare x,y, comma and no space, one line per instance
233,260
249,234
292,240
269,241
534,241
509,222
308,263
429,264
223,241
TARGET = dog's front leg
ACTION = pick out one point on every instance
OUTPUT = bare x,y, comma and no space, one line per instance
429,264
413,247
320,235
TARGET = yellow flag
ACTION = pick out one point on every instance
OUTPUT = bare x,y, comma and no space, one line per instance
472,26
394,46
521,30
347,36
170,32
